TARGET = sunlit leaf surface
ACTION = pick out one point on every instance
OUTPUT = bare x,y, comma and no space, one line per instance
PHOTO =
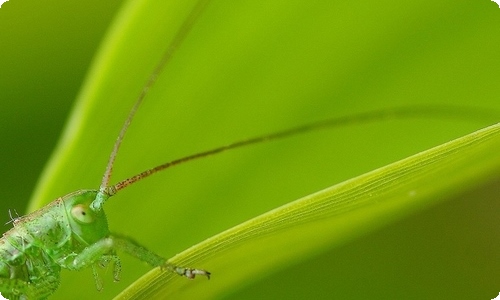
254,67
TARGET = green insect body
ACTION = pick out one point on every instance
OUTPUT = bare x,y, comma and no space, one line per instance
66,234
72,231
41,243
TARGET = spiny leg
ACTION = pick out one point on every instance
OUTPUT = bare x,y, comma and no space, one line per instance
134,249
102,248
186,272
97,279
103,263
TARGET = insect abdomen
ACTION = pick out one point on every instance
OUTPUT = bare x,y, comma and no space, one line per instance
28,252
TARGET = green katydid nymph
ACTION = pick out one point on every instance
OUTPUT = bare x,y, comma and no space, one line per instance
72,231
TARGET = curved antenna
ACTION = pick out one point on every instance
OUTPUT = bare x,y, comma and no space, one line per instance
402,112
104,190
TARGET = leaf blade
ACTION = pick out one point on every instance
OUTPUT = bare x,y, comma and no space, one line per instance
329,218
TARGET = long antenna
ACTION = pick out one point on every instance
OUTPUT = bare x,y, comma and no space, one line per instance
165,59
378,115
105,191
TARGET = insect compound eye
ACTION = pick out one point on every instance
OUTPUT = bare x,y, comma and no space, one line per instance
82,213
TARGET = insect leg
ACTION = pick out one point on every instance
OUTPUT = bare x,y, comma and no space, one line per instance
134,249
98,254
117,266
97,279
103,263
104,249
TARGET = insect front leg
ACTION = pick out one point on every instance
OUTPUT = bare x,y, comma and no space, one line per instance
100,253
134,249
104,261
104,250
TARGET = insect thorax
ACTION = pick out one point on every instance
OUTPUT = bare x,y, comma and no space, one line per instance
48,239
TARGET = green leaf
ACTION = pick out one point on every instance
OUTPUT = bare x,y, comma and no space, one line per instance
250,68
328,218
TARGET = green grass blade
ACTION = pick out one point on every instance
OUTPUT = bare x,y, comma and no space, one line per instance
251,68
328,218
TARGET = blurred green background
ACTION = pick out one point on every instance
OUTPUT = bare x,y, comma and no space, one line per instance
46,49
250,68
